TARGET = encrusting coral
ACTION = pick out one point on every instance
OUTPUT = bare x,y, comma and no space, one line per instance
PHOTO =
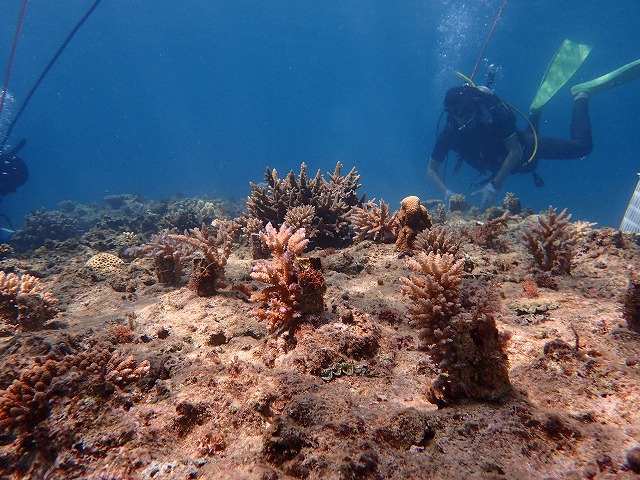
332,200
551,242
413,219
24,301
291,279
374,222
459,329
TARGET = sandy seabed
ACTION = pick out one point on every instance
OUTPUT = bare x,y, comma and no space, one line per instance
222,402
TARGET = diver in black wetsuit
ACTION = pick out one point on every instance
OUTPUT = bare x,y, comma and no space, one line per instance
481,129
13,173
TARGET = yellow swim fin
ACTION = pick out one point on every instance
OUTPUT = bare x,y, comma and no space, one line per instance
624,74
564,64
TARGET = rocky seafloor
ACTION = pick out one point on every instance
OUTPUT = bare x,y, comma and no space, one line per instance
348,401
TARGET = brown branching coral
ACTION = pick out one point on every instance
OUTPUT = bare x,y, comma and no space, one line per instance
437,240
300,216
631,302
551,242
24,301
25,403
209,248
488,234
168,255
332,200
282,299
413,219
374,222
459,328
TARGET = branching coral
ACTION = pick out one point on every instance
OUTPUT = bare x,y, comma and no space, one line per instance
25,402
631,302
24,301
332,200
374,222
283,297
488,234
459,328
209,248
551,242
437,240
168,255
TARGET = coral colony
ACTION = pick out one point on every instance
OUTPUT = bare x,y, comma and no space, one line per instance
290,227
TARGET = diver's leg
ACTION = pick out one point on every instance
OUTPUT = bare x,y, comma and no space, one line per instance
579,145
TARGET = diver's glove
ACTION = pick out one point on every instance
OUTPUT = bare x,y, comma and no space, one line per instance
487,194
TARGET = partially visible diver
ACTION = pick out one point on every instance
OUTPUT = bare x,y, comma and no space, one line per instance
481,128
13,174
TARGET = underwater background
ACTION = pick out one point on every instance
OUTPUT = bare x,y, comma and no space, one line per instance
199,97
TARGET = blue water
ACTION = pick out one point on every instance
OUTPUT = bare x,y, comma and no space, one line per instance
199,97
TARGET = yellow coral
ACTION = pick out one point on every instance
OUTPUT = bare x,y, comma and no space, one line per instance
105,263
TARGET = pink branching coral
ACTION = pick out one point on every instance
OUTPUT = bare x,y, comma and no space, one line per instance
283,297
374,222
551,242
24,302
458,327
168,255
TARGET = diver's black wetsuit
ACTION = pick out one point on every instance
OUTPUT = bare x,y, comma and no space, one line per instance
480,142
13,173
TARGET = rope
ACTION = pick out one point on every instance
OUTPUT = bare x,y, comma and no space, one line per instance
486,42
13,52
46,70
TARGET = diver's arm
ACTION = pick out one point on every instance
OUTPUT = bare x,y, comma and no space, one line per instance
433,171
513,158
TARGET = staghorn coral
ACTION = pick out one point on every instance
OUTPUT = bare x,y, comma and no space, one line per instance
209,248
413,219
457,203
551,242
300,216
459,328
25,403
168,255
437,240
332,200
24,302
488,234
374,222
283,297
512,203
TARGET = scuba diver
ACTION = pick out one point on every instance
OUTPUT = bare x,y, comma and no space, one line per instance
481,127
13,173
